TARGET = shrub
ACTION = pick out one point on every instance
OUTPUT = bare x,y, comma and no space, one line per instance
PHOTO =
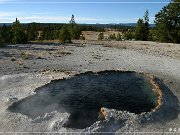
118,38
82,37
65,36
112,37
101,36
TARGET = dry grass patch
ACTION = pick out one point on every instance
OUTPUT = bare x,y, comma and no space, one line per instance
26,55
61,53
41,55
19,62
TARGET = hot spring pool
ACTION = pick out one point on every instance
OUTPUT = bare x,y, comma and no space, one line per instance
83,95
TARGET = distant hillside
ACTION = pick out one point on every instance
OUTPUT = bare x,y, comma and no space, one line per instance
7,24
134,24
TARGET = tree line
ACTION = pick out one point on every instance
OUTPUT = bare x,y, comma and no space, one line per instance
167,26
167,29
20,34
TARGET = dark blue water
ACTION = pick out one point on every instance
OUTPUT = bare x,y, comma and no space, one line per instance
83,95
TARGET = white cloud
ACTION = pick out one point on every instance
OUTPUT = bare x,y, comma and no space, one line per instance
52,19
9,14
9,17
5,1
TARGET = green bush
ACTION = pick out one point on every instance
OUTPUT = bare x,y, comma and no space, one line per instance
129,35
101,36
118,38
65,36
112,37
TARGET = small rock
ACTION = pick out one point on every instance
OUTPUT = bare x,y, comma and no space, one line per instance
13,59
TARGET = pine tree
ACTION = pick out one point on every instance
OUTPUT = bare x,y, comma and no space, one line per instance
142,28
65,35
74,29
139,30
18,33
5,35
1,40
31,32
146,25
72,21
168,23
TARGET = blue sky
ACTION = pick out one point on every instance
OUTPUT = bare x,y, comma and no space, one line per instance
89,11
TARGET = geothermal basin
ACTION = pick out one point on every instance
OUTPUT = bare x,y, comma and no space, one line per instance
83,95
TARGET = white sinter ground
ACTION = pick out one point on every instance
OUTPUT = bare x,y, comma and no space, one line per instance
20,77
